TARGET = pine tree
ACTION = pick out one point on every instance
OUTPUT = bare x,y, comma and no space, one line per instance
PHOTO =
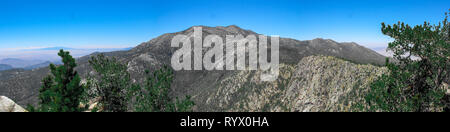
111,85
61,91
413,84
155,95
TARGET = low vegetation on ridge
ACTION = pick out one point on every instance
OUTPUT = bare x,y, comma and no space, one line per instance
111,88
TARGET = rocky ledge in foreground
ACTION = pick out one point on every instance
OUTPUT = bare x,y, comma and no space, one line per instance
7,105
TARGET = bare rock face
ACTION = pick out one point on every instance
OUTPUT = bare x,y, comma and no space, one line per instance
329,84
316,83
445,86
7,105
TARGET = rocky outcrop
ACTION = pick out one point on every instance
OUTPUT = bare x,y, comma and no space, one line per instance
329,84
316,83
7,105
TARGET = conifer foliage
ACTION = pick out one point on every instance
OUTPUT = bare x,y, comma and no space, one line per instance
111,85
415,80
61,91
154,97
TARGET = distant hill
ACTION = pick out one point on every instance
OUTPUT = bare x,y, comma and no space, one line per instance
40,65
11,73
32,58
55,48
19,63
90,49
5,67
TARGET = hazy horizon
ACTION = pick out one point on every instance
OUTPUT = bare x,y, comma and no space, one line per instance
37,55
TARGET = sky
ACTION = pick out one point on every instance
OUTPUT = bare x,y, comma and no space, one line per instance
127,23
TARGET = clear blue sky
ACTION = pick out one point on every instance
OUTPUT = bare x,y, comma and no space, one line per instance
125,23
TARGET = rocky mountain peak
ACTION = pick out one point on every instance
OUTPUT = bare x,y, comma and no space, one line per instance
219,30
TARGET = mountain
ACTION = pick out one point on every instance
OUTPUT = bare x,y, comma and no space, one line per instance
5,67
41,65
20,63
25,58
305,68
8,74
55,48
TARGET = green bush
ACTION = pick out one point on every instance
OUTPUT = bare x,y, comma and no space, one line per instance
414,80
61,91
154,97
110,85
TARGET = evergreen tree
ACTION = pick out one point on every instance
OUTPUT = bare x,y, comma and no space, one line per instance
61,91
155,95
111,85
414,80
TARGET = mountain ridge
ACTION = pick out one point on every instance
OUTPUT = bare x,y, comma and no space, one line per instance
4,67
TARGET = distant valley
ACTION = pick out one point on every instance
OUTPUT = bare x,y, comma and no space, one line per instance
29,59
5,67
